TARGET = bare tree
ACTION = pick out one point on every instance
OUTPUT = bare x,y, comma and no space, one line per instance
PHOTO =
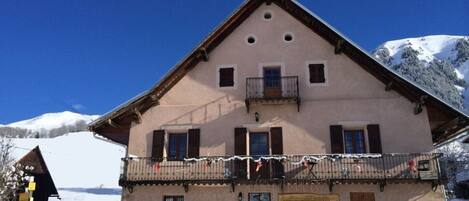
11,175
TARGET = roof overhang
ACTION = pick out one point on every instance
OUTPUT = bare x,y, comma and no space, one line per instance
450,120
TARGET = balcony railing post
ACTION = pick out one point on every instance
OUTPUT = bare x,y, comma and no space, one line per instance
383,166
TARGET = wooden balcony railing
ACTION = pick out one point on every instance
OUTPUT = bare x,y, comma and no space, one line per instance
291,168
266,90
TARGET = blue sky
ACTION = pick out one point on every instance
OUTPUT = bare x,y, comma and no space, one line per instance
89,56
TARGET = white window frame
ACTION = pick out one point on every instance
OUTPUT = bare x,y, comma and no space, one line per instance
326,77
235,75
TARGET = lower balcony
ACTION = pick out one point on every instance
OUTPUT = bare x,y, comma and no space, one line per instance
329,169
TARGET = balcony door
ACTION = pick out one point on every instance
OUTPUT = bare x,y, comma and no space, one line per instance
272,82
259,146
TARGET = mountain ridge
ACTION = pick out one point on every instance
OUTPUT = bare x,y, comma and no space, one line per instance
438,63
48,125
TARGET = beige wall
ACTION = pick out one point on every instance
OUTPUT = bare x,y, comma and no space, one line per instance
352,97
401,192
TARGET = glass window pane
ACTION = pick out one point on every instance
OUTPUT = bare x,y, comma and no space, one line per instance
177,146
259,197
354,141
259,144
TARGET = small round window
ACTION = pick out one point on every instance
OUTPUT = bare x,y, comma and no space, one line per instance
288,37
267,15
251,39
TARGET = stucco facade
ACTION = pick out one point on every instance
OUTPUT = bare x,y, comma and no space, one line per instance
350,97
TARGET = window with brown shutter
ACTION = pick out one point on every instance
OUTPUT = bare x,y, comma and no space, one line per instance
157,145
194,143
316,73
374,138
226,76
337,144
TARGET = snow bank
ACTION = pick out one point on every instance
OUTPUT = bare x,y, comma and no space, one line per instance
77,159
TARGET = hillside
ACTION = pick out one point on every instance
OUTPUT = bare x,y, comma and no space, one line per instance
48,125
439,63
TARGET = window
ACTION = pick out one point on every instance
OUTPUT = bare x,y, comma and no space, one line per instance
316,73
359,196
354,141
173,198
226,76
251,39
259,197
288,37
259,144
267,15
272,77
177,146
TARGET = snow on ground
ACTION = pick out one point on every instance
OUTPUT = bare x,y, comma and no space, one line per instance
52,120
78,195
83,168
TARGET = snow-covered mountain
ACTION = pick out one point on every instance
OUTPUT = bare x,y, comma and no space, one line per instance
50,121
48,125
439,63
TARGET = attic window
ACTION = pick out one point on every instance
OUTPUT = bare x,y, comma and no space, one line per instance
288,37
267,15
251,40
226,76
316,73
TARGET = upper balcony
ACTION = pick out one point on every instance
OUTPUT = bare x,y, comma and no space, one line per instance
272,90
329,169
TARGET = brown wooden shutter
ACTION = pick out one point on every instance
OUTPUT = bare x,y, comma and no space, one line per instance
194,143
240,149
316,73
226,77
240,141
277,149
158,145
337,143
374,138
277,140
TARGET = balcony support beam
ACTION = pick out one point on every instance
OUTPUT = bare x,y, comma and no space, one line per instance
298,103
247,103
233,186
186,187
381,186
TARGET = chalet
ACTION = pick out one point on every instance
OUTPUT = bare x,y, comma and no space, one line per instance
34,165
275,104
